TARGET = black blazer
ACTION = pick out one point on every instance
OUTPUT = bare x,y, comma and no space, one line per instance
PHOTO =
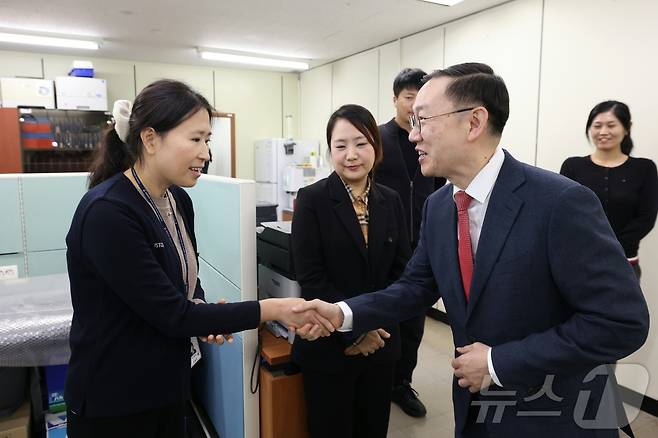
132,321
333,263
413,189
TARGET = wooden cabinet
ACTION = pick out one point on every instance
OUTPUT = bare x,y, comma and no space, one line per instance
282,405
10,141
40,140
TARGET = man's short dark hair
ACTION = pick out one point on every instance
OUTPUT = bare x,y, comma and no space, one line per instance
474,83
408,78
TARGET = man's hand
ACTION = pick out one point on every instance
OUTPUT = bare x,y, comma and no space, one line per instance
371,342
471,367
215,339
330,312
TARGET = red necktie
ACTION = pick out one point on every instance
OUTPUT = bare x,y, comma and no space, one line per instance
463,200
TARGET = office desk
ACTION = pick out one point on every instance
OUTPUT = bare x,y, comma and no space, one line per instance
282,406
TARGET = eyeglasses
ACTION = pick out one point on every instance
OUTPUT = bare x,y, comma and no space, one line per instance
415,120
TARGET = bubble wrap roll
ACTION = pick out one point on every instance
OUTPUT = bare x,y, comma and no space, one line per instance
35,319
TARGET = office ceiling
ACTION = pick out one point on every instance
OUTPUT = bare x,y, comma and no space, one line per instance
170,31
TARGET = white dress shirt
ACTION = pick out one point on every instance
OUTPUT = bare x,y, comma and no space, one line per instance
480,190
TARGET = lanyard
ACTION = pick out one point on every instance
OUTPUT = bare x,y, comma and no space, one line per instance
149,200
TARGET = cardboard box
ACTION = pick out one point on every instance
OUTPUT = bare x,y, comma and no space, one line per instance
81,93
16,92
57,432
18,424
56,425
55,381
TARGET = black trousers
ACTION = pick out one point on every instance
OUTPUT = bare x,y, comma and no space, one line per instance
353,404
473,429
166,422
411,334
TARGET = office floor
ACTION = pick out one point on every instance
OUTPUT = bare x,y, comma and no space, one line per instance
433,381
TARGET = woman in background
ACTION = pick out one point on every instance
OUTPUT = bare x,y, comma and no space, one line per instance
132,264
348,238
627,186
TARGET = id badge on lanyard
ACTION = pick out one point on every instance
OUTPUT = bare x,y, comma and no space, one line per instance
195,351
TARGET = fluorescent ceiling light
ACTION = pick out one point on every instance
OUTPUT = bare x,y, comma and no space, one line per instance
443,2
253,60
37,40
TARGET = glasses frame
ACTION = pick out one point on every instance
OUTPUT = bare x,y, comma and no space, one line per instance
415,121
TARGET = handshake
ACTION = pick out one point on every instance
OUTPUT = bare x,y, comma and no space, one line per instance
313,319
308,319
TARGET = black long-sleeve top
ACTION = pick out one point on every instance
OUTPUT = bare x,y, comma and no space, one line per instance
628,193
400,171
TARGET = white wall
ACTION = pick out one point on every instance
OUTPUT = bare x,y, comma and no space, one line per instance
255,97
291,96
558,58
493,38
389,67
316,105
199,78
423,50
356,80
259,98
595,50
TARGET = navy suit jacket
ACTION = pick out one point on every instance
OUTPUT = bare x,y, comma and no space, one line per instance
552,293
132,321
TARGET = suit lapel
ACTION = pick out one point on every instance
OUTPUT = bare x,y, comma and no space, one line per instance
502,211
378,213
345,212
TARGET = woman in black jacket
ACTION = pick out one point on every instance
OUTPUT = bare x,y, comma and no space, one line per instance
627,186
348,238
132,264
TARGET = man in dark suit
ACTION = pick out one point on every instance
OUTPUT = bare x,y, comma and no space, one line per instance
537,289
400,171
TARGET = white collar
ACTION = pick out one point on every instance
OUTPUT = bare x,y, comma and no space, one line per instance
481,186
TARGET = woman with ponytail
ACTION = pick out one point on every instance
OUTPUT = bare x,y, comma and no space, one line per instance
132,263
626,186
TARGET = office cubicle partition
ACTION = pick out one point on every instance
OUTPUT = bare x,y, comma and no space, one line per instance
225,223
36,213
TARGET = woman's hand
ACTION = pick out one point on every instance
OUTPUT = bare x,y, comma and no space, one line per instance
215,339
371,342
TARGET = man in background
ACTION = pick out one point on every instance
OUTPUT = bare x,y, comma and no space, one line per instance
400,171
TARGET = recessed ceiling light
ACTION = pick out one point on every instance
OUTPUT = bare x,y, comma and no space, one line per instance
38,40
443,2
253,60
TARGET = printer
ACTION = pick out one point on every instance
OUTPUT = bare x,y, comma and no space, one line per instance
276,273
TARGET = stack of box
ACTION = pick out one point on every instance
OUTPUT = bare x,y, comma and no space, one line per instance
56,425
82,69
56,415
16,425
36,132
16,92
